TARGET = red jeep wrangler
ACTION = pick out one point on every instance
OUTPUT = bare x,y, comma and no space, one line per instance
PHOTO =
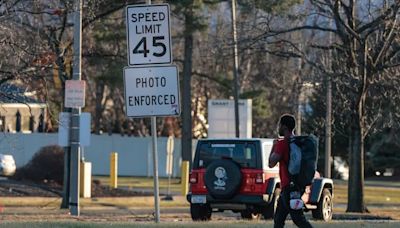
233,174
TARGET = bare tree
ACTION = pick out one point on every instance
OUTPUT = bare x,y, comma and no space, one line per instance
366,48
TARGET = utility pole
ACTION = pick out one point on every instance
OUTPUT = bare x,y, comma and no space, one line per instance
235,69
76,112
328,117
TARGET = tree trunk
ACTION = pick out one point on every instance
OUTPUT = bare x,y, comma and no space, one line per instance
67,150
357,133
99,107
355,198
186,98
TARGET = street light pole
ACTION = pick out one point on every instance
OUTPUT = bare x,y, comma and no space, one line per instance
235,69
76,112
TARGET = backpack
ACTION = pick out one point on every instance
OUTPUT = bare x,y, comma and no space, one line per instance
303,157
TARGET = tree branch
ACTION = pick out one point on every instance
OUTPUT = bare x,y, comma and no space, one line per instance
386,43
392,11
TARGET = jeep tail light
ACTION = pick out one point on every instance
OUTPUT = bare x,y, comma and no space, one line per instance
260,178
193,178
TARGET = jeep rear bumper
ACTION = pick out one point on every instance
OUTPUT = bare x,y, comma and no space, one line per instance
235,201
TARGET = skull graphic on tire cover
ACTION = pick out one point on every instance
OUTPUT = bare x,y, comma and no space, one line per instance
222,178
220,183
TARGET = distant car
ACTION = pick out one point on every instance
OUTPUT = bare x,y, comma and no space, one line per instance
233,174
7,165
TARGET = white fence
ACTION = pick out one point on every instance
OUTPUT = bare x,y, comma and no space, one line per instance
134,154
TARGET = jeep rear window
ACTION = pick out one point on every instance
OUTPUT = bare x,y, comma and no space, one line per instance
242,153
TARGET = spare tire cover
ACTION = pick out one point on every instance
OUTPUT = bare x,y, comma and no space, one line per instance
223,178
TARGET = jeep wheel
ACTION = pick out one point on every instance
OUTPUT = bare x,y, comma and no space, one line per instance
324,207
269,210
249,214
200,212
223,178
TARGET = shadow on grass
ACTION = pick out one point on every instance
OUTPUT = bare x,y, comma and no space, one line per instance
359,216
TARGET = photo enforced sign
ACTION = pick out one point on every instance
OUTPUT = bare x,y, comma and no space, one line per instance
152,91
148,33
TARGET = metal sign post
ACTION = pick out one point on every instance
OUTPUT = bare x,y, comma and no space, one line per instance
155,169
155,164
150,91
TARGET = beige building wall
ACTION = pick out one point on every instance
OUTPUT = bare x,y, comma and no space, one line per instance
8,116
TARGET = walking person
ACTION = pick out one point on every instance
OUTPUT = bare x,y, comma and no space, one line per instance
280,153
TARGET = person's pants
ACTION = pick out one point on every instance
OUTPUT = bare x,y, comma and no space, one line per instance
283,210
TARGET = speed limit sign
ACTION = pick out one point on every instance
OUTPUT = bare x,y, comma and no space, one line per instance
148,34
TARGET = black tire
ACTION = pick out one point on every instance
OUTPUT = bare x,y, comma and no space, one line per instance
324,207
200,212
270,209
228,182
249,214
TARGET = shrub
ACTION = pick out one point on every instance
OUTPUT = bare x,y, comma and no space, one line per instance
47,165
